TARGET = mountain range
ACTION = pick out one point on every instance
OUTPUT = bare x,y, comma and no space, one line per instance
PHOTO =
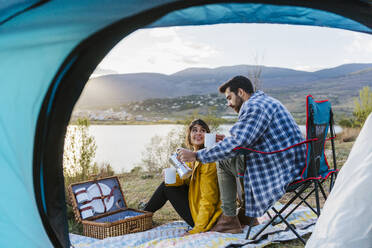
340,83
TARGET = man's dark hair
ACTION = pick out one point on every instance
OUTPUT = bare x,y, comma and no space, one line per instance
237,82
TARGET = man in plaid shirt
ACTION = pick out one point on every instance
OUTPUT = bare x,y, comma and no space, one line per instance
264,124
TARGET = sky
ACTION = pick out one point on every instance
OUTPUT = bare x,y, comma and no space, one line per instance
172,49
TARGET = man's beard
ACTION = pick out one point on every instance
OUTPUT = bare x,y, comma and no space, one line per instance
238,105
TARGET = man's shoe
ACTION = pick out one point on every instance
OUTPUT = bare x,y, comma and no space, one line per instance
227,224
246,220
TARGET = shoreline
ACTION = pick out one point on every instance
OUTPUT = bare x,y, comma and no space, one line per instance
124,123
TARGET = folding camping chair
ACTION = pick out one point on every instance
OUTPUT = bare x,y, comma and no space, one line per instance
319,122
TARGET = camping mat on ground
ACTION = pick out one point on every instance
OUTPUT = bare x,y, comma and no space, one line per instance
169,235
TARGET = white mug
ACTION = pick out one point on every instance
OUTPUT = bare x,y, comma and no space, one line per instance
209,140
170,175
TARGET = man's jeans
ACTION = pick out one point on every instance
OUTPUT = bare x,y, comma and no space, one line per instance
227,172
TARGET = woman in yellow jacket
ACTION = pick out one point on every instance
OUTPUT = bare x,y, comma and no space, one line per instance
197,199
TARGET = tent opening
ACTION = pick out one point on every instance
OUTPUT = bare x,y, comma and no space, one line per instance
136,123
72,77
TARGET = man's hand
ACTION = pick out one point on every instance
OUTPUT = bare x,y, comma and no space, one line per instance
219,137
186,155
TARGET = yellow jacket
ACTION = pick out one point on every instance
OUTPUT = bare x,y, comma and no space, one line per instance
204,196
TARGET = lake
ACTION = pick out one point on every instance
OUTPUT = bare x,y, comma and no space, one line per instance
122,146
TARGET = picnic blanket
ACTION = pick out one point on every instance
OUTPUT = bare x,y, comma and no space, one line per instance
170,235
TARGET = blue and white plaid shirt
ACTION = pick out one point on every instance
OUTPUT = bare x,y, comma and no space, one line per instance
264,124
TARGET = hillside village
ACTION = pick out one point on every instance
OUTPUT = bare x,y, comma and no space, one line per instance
154,97
166,109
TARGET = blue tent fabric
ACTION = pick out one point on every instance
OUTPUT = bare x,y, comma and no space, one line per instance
258,13
11,8
40,46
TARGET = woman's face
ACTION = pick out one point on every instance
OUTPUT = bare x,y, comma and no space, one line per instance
197,135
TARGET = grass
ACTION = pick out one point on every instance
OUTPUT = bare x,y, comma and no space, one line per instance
289,244
349,134
138,187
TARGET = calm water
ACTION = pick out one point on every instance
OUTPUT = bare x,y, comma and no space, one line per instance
122,146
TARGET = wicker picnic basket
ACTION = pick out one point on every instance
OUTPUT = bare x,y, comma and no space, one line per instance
108,215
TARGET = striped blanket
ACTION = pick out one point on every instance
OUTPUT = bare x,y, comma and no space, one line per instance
170,235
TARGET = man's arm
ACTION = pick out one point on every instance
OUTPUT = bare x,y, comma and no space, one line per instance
252,123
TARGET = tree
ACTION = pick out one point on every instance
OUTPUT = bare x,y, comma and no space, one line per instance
79,152
363,106
157,153
254,73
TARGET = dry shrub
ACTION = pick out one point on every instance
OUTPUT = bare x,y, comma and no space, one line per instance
349,134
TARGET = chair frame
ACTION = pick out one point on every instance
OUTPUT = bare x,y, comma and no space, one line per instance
299,187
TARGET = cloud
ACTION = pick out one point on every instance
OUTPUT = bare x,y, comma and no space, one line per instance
171,49
165,50
183,50
361,43
99,71
151,60
307,68
163,32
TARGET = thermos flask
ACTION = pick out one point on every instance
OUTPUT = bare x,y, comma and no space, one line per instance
182,169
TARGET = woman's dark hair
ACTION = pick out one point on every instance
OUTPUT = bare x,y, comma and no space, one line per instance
237,82
189,128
